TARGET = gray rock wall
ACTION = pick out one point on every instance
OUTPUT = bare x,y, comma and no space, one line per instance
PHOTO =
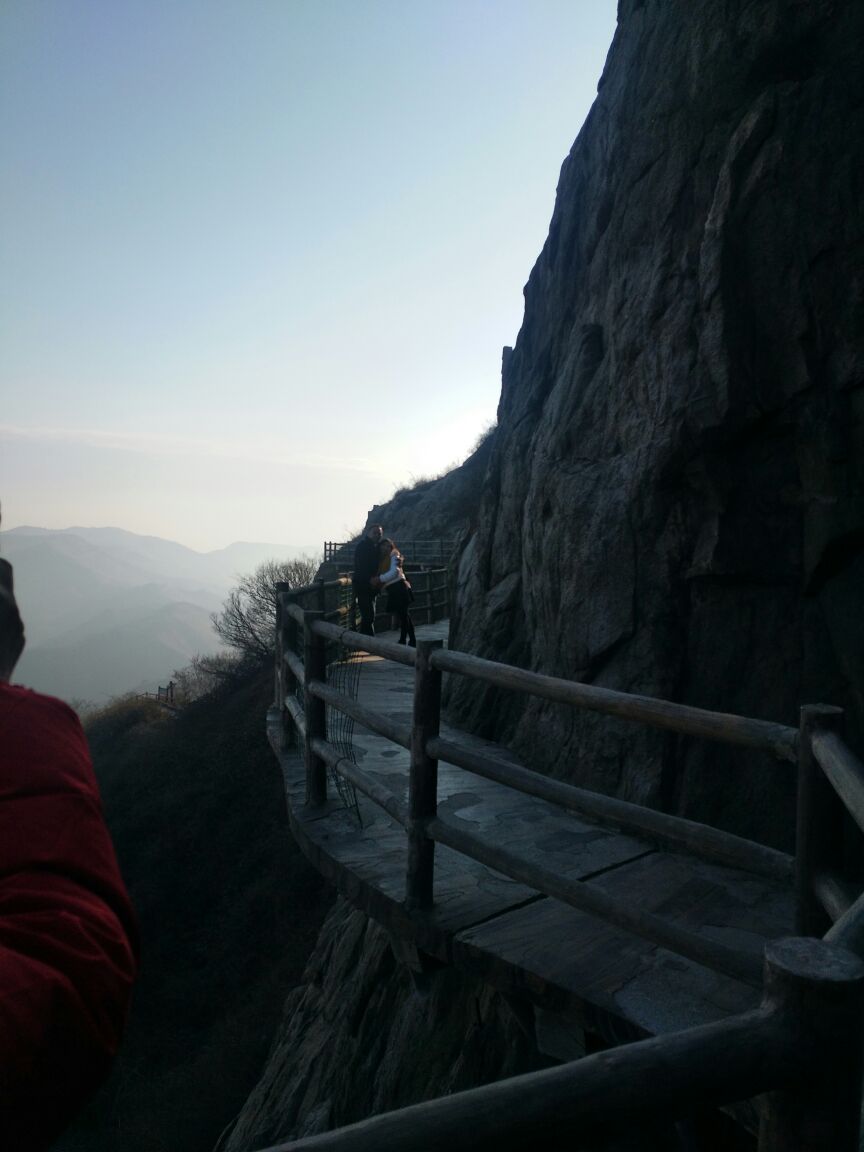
358,1038
674,501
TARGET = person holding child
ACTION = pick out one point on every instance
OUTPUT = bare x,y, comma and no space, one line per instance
399,595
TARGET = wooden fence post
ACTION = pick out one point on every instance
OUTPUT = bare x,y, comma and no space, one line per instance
278,692
288,679
314,668
819,830
820,990
423,783
322,595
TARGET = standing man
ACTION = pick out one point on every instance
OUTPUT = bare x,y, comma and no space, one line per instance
366,583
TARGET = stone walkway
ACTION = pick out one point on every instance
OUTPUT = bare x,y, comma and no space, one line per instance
579,972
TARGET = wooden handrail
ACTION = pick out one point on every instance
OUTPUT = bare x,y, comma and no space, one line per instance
670,831
834,893
587,897
294,663
399,733
762,734
336,582
591,1098
362,781
775,1045
848,932
819,817
357,641
295,708
843,768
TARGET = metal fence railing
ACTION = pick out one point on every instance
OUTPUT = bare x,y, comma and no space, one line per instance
435,552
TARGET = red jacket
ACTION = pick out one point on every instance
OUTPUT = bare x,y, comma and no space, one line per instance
68,943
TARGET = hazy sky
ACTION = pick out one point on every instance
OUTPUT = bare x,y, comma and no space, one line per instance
258,258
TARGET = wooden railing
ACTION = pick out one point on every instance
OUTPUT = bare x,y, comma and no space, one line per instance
814,989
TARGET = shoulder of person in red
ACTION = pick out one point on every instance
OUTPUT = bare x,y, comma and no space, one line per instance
68,938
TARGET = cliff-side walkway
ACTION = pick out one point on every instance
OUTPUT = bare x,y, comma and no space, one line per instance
585,972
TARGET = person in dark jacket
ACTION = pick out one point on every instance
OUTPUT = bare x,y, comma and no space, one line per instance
68,939
366,581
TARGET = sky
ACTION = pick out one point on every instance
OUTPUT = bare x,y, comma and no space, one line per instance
260,257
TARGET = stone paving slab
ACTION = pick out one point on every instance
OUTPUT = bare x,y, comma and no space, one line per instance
629,987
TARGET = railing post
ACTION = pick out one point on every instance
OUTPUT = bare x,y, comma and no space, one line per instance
278,693
314,668
423,783
322,595
819,989
288,641
819,830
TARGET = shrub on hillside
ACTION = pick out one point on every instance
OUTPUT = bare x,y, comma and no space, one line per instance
247,622
207,676
120,717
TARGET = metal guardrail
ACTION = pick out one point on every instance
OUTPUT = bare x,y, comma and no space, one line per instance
430,552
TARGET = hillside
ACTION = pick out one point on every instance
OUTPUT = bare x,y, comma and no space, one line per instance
108,611
228,911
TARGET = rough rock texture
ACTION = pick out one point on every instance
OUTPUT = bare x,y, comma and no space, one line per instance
358,1038
674,500
445,508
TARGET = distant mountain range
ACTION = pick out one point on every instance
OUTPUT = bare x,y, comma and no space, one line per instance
107,611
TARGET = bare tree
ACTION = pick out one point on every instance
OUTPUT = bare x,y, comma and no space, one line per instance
247,622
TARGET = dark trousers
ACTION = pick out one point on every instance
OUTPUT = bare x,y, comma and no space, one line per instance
406,626
366,603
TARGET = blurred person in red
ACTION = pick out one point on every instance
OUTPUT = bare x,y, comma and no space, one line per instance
68,941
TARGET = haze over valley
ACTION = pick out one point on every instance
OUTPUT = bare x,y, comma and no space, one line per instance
108,611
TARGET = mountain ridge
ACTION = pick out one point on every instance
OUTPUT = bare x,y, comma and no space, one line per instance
99,603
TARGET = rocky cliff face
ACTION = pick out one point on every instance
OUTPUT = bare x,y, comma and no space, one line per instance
359,1037
674,501
445,508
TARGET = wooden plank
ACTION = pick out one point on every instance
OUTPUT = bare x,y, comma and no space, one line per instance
620,985
628,913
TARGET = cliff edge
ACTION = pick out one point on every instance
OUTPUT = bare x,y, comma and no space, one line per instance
675,500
